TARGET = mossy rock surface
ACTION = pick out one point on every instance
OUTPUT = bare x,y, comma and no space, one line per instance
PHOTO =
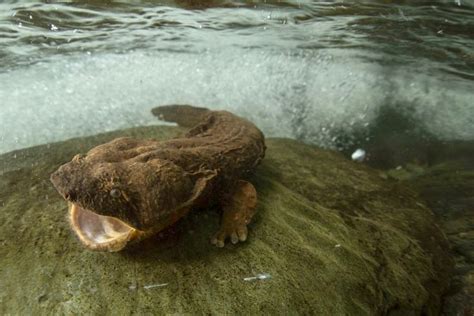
448,188
335,237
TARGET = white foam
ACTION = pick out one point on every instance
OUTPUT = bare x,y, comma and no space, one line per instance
306,95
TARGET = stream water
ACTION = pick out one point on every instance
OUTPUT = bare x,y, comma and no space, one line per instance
318,71
393,79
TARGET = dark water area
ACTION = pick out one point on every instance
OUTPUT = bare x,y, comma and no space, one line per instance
393,78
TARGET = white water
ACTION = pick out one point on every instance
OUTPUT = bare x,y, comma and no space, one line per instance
307,95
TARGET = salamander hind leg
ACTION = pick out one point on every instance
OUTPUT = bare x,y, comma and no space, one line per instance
238,210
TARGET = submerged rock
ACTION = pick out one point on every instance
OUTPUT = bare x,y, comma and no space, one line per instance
330,237
448,188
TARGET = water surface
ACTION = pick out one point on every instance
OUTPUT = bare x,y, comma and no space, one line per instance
317,71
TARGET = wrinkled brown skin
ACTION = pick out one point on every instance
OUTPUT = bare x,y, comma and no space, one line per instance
150,184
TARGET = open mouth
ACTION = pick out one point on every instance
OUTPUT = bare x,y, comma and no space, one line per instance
99,232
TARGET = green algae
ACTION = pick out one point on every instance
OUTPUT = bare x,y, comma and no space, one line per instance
448,188
336,237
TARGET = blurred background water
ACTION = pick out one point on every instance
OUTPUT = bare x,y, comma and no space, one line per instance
321,72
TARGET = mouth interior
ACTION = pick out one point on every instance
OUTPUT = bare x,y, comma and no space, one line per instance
100,232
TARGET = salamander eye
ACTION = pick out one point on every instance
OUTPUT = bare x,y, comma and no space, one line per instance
70,196
115,193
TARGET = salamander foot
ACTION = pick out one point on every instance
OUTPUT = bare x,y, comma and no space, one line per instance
239,208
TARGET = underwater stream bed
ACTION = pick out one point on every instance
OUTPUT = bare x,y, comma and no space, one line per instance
393,78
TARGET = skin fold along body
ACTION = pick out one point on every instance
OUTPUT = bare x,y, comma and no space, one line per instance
129,189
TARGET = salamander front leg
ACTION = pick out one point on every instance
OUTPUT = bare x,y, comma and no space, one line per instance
239,208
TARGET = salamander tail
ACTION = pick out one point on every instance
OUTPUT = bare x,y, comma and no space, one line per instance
183,115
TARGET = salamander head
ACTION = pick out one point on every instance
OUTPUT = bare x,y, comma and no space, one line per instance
113,201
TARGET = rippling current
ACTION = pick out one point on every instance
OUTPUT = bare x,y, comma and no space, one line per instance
321,72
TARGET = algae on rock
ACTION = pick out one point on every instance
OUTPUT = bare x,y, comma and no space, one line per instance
334,235
448,188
